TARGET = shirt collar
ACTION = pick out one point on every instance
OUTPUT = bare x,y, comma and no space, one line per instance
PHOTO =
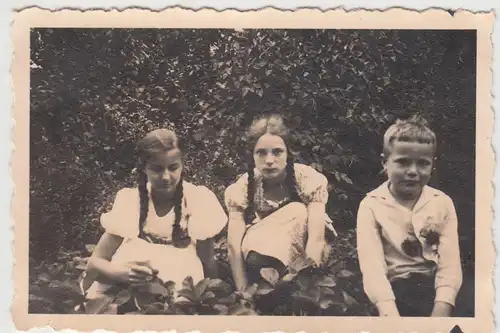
382,192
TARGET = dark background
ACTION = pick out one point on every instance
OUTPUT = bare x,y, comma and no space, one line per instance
95,92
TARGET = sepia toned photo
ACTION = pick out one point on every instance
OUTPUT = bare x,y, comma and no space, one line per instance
253,171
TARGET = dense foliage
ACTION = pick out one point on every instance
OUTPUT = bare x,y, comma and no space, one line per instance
332,289
94,92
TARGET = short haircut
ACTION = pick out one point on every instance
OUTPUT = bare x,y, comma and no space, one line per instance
414,129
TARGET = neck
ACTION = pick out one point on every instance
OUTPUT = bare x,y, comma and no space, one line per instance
406,200
162,195
276,181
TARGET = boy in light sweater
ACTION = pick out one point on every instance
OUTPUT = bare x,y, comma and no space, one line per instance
407,231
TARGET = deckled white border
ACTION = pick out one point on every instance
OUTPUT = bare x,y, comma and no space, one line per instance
6,123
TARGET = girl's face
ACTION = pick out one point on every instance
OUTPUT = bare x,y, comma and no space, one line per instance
409,168
164,170
270,156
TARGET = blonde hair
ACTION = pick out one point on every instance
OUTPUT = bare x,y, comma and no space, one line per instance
414,129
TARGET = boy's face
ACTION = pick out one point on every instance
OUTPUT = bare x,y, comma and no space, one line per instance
409,168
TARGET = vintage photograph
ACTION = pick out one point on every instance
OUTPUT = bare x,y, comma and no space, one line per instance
298,172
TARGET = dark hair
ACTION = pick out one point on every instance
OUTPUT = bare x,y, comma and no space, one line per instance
274,125
155,142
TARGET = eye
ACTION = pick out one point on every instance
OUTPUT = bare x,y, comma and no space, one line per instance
278,151
173,167
424,163
156,168
403,161
260,152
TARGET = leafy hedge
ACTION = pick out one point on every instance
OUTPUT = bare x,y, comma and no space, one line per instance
94,92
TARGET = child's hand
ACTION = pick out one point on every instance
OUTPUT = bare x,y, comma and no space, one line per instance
140,272
147,264
442,309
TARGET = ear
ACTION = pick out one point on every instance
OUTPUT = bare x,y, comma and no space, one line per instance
383,160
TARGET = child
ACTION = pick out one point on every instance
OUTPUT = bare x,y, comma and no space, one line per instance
407,235
273,206
163,227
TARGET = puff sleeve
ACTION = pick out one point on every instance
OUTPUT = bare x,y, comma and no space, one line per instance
123,218
235,196
207,215
312,184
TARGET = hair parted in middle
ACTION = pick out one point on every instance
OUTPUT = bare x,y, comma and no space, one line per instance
269,124
158,142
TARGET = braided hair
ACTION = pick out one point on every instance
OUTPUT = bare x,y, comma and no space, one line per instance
274,125
156,142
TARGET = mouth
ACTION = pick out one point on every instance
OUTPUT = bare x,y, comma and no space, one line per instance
411,183
270,170
166,186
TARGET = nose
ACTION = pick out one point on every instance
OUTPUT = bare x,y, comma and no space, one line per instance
412,170
166,176
269,160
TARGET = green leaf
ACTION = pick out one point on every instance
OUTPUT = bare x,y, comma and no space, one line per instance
245,90
157,288
251,290
344,273
349,300
81,267
300,263
188,283
228,300
270,274
240,310
346,178
155,308
110,309
326,281
264,290
90,248
221,309
123,297
200,287
98,305
189,294
289,277
44,277
170,286
66,290
207,296
328,301
219,286
184,303
311,295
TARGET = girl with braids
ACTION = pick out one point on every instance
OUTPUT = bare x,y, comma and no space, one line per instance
163,227
407,235
273,206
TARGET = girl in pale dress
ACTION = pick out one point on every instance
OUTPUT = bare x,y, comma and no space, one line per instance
163,227
276,209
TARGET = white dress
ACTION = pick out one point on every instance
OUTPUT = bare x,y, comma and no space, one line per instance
276,231
201,213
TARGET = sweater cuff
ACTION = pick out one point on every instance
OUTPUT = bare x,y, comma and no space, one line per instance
387,308
446,294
